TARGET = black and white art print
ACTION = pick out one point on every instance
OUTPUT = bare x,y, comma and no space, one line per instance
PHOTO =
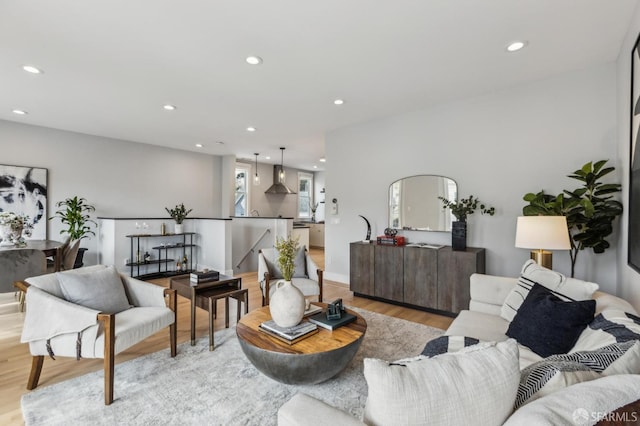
23,190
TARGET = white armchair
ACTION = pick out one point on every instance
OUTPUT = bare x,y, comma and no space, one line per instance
307,276
58,324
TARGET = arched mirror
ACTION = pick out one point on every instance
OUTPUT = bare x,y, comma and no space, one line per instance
414,203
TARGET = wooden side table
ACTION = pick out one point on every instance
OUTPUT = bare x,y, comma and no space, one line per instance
241,294
201,293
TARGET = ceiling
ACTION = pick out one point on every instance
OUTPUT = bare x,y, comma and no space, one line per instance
110,66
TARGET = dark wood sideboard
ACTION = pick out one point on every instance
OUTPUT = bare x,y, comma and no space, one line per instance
429,278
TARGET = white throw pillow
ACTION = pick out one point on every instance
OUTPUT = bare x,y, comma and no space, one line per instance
533,273
101,290
476,385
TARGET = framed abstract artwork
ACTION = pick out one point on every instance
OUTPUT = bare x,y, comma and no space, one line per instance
23,190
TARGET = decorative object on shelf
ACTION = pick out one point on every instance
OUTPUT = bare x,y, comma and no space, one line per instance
163,229
256,177
75,214
24,192
287,303
147,257
313,208
542,233
590,211
179,213
390,232
184,263
395,240
461,209
12,226
368,237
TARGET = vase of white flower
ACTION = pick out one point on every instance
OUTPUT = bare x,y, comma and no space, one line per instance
12,226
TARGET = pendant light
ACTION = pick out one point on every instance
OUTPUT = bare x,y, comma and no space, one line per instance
281,175
256,177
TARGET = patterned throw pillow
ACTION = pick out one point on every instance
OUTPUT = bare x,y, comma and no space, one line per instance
559,371
532,274
445,344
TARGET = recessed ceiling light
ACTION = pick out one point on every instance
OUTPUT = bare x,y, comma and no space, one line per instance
219,142
516,45
254,60
31,69
170,107
199,145
338,102
20,112
251,129
323,160
315,167
267,158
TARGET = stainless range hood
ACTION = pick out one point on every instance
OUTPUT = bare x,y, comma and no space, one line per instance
278,187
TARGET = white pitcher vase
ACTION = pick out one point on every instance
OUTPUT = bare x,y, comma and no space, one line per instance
287,304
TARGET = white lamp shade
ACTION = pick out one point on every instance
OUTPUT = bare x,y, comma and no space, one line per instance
542,232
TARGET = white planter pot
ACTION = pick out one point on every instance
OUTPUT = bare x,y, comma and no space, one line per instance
179,229
287,304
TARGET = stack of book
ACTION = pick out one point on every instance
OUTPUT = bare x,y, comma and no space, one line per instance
289,335
196,278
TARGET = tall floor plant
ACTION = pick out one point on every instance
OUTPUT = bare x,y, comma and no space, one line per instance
590,209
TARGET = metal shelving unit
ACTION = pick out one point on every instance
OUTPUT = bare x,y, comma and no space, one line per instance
161,260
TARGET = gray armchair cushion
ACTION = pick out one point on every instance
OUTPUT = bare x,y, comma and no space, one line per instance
101,290
299,263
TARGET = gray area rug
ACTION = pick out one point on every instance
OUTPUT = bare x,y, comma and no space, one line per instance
213,388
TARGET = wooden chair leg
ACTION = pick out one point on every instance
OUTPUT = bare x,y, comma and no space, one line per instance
109,354
36,369
320,285
173,329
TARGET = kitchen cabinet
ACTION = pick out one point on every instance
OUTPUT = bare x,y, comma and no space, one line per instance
316,235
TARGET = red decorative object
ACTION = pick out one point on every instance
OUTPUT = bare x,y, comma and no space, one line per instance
396,240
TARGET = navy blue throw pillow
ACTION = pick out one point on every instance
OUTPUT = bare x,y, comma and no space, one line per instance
549,325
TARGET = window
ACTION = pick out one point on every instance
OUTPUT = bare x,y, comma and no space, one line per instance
242,190
305,195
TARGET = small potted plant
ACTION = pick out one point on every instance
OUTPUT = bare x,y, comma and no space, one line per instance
461,209
287,303
179,213
74,212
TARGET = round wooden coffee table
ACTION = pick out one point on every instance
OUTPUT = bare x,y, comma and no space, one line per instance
311,360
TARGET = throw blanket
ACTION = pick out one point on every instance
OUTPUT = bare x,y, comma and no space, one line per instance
48,316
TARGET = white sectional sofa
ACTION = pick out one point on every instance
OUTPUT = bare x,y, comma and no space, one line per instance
560,400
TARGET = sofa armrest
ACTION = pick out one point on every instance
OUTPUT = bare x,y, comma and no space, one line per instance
143,294
303,410
488,292
312,268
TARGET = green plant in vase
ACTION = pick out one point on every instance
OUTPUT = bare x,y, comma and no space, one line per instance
461,209
178,213
75,214
287,249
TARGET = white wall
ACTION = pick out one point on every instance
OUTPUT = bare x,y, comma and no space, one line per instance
497,147
120,178
628,279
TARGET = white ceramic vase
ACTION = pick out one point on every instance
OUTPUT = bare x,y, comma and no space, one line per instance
179,229
6,235
287,304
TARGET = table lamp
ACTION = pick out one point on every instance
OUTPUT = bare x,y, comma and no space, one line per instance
542,233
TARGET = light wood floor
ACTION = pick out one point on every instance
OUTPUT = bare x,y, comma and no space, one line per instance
15,360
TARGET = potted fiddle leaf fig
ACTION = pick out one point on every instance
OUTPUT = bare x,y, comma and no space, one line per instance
461,209
179,213
590,209
74,213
